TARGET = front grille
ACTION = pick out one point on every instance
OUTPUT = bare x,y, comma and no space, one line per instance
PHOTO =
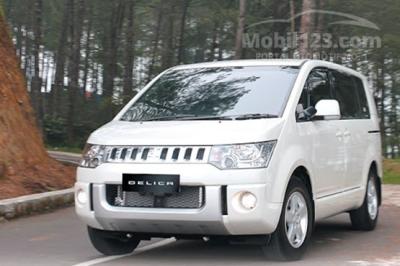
157,154
189,197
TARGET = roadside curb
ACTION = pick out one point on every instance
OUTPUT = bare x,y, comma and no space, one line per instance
66,157
78,155
35,203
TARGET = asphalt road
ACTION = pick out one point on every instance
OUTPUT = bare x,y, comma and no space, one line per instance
59,238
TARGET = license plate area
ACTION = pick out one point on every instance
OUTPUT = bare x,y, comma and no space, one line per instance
158,185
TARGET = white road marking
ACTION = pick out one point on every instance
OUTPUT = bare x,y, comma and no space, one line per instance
136,252
394,261
359,262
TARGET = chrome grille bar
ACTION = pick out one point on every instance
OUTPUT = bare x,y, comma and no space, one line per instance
157,154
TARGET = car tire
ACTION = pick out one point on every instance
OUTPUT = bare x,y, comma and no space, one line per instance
292,235
112,243
366,217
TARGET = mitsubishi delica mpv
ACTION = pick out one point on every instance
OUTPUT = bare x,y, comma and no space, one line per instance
250,151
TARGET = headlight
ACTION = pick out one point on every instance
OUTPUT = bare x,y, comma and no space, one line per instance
255,155
93,156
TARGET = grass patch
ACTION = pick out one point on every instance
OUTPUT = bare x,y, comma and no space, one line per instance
65,149
391,171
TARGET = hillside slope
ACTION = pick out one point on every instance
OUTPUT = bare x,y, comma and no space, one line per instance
25,166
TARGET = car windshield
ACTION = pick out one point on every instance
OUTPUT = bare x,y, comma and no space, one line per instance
215,92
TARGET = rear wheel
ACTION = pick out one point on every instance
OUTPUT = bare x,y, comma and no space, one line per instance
366,217
112,243
292,236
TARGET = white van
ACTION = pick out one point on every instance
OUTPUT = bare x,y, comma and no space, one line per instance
247,150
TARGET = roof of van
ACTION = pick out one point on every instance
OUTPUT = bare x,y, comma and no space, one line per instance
270,62
247,62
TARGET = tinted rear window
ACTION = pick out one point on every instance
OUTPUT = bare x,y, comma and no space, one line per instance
346,95
364,110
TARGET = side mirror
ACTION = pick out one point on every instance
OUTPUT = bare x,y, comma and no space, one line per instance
328,110
305,114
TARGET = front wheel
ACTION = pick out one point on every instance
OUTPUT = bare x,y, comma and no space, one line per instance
292,236
366,217
112,243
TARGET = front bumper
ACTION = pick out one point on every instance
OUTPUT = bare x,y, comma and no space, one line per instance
211,219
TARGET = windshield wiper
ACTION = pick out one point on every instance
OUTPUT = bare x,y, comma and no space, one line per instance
232,117
196,117
209,118
187,118
167,118
254,116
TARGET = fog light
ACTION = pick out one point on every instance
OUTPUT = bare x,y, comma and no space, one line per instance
81,196
248,200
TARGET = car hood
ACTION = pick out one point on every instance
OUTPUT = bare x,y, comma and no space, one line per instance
187,132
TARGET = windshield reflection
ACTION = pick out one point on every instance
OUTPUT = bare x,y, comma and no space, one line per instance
219,91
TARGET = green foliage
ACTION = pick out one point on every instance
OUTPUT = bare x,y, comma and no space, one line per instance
54,129
1,8
391,173
209,34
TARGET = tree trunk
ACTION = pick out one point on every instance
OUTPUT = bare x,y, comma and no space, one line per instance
167,55
319,28
181,49
73,66
306,27
95,78
394,141
292,14
155,42
19,39
127,92
36,85
28,46
240,30
61,54
214,42
111,48
220,43
88,48
25,166
279,9
292,24
381,88
320,18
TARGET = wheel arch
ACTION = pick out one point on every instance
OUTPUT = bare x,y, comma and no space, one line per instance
302,173
374,167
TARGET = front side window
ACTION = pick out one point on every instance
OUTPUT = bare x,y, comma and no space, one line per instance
215,92
348,90
317,88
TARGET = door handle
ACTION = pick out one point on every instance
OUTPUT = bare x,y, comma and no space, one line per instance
347,134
